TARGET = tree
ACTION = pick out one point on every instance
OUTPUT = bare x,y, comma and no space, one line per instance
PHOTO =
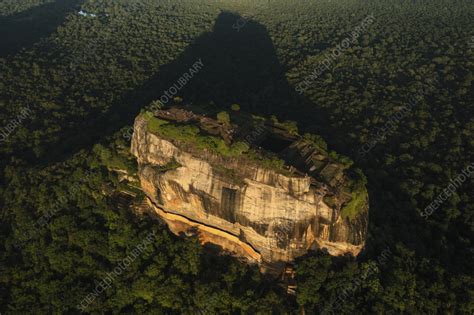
223,117
235,107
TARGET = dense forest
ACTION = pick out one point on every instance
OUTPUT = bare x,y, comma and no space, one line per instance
395,95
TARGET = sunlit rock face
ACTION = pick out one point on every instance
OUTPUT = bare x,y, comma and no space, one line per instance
251,211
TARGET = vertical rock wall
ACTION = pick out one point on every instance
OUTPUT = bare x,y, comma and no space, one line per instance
252,212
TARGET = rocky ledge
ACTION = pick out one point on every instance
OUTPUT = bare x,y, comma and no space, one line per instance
252,186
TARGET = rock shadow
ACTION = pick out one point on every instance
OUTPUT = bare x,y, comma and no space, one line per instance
23,29
240,65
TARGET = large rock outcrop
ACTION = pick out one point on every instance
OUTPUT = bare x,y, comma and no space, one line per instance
251,209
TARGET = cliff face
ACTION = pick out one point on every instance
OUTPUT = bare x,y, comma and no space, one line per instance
251,210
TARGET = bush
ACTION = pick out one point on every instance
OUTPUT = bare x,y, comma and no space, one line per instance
290,126
155,124
317,141
356,205
223,117
359,197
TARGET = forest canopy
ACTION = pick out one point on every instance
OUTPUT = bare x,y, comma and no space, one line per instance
85,79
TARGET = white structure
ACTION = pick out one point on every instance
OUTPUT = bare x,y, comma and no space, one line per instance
84,13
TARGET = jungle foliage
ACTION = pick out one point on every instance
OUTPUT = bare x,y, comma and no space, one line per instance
86,78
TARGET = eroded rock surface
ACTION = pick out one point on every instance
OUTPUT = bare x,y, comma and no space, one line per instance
253,211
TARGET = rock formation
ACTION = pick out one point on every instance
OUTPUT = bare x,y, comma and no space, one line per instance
258,190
